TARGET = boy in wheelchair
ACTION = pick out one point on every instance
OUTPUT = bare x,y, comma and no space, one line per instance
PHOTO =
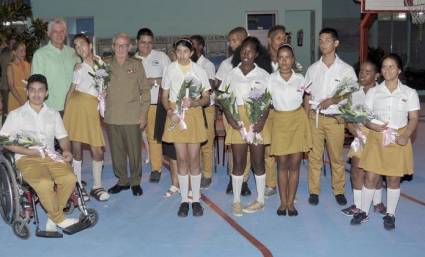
52,179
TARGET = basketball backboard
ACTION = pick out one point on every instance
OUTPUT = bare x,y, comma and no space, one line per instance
377,6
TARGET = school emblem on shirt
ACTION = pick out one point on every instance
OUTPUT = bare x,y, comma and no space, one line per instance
155,63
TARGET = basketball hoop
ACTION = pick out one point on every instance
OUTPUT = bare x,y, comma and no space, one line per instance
417,11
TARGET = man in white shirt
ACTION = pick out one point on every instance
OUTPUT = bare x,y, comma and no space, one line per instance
325,75
207,148
154,63
235,38
53,180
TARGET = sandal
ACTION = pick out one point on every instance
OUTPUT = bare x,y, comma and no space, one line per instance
100,194
171,191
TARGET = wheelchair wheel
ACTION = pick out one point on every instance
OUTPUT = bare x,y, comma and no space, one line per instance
92,216
9,195
20,229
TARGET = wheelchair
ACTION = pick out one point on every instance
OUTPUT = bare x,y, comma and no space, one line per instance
18,203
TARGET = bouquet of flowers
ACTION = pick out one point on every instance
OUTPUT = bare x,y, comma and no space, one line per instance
344,89
356,114
192,88
102,77
21,139
258,101
227,101
18,140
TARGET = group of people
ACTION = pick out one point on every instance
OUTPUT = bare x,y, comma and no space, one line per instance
144,92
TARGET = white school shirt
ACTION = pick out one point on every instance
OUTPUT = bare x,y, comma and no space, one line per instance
241,84
325,81
84,81
209,68
173,78
286,95
392,107
358,97
44,126
224,68
154,65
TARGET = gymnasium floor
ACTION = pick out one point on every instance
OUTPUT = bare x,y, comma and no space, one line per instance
149,226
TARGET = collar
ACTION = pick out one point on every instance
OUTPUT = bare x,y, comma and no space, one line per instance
336,62
139,57
51,46
252,71
29,108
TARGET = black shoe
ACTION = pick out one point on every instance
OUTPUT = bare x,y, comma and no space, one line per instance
340,199
205,182
293,212
359,218
197,209
183,210
245,189
313,199
137,190
389,222
155,176
117,188
281,212
229,189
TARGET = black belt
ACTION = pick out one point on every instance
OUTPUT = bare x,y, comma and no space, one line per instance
154,104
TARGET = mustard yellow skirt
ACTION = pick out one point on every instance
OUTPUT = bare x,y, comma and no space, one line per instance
12,102
195,133
233,136
359,152
392,160
291,132
82,119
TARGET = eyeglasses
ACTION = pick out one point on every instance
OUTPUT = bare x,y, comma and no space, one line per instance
124,46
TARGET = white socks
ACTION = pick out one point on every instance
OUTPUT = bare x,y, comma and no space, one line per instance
367,195
237,187
97,174
357,195
77,170
377,197
184,187
195,181
393,195
261,186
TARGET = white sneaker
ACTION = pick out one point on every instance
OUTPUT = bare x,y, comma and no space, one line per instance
171,191
67,222
253,207
50,226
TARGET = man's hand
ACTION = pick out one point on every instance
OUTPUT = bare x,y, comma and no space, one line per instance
142,122
326,103
67,156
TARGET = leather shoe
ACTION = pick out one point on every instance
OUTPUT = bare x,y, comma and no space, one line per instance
340,199
313,199
137,190
281,212
117,188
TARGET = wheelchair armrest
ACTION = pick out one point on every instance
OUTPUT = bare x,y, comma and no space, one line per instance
10,156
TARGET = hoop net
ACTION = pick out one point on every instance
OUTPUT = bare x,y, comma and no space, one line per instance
417,10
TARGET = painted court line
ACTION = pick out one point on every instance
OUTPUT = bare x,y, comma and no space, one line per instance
260,246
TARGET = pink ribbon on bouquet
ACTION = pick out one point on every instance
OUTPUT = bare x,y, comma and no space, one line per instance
390,136
253,137
46,152
358,141
242,130
101,105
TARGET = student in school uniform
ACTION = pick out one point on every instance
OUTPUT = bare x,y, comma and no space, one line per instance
187,141
396,107
235,38
82,119
367,79
290,133
327,128
276,36
154,63
207,148
246,76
